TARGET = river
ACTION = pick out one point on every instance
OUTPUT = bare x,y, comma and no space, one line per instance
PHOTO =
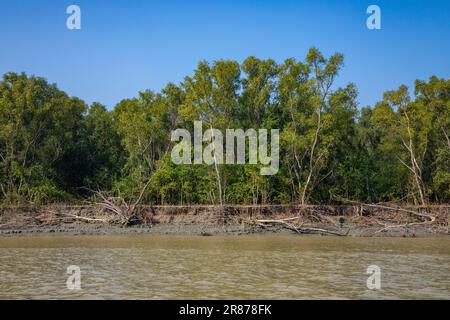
256,267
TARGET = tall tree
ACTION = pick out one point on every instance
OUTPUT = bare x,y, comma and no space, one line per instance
40,126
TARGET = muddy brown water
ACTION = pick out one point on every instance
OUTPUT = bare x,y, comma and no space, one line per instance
258,267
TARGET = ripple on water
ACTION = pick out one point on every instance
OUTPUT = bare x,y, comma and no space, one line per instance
224,268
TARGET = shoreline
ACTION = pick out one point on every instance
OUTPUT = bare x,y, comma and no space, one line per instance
236,231
351,221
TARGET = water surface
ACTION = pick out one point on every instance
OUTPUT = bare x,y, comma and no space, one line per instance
278,267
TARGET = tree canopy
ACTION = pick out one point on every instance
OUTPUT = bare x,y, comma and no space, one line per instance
56,148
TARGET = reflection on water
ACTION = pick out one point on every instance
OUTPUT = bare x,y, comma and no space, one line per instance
150,267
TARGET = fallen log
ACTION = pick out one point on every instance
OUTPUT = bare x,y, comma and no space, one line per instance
406,225
300,229
74,216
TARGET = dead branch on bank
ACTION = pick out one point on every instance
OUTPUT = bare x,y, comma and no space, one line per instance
287,224
74,216
121,212
429,219
406,225
432,220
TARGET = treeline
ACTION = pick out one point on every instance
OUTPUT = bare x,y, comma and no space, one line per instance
55,148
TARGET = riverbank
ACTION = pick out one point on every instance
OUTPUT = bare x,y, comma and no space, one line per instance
354,221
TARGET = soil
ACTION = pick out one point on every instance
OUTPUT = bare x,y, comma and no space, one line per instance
355,221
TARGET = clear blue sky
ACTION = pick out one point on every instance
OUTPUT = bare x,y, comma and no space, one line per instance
126,46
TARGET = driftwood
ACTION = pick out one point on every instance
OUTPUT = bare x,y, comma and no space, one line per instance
339,220
298,228
74,216
430,219
406,225
122,212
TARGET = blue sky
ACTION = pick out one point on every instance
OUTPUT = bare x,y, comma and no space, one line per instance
126,46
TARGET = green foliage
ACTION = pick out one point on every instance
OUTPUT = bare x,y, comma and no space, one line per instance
40,128
54,148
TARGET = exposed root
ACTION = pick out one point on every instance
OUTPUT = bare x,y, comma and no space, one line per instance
361,220
120,211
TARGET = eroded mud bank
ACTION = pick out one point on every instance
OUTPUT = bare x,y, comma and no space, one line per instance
360,220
